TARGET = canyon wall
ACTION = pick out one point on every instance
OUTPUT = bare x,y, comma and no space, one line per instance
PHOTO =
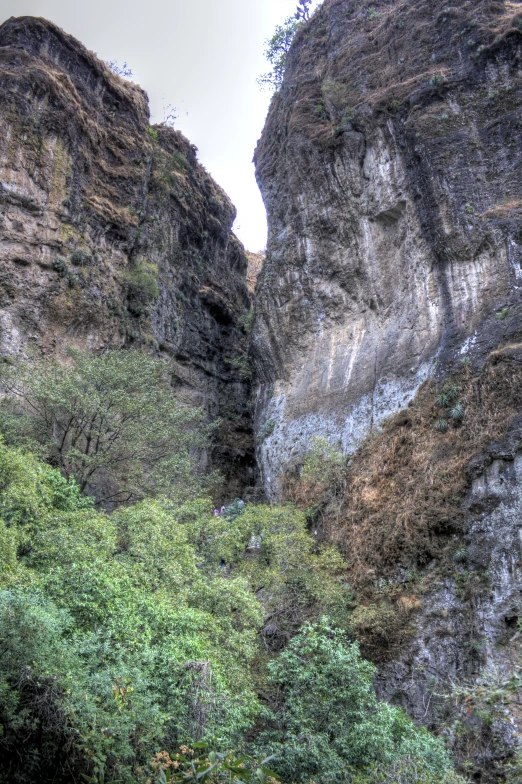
391,169
112,234
390,166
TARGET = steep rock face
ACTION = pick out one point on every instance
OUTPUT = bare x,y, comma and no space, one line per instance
111,233
390,165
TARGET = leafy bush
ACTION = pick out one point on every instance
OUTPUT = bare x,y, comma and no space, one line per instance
326,723
109,418
60,266
81,258
294,580
324,464
142,286
205,765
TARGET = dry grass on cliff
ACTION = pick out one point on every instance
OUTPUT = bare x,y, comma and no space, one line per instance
400,503
405,488
378,66
401,500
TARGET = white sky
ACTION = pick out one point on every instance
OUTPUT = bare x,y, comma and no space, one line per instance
201,56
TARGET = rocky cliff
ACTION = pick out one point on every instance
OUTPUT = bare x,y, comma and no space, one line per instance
390,166
112,233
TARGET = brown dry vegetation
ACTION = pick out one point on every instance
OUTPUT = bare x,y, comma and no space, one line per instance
400,503
389,53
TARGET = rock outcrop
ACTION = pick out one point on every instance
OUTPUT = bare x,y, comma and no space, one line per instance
112,234
391,169
390,166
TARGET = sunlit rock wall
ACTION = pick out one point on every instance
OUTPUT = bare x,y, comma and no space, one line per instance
390,166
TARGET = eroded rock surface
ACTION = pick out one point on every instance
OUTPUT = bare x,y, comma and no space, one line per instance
112,234
390,166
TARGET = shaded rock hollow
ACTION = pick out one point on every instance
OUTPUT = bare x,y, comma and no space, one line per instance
112,234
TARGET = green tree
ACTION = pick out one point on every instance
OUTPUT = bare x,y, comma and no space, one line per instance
327,724
276,52
278,46
109,420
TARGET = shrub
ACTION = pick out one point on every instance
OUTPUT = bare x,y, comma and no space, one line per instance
268,428
334,94
276,52
327,722
204,765
119,70
60,266
109,417
324,464
80,258
295,581
142,287
373,14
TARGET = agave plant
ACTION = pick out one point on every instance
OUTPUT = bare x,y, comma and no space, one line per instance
457,412
460,555
443,400
441,425
452,392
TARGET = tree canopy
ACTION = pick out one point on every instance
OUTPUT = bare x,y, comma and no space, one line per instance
108,420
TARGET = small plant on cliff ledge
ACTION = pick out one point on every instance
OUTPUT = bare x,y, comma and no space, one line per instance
441,425
447,401
447,396
457,412
278,46
60,266
143,288
120,70
268,428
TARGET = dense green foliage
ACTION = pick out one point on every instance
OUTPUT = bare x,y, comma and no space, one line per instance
327,722
114,642
124,636
203,764
108,420
142,287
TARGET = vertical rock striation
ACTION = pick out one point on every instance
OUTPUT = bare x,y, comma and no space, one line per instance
390,166
112,234
391,169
